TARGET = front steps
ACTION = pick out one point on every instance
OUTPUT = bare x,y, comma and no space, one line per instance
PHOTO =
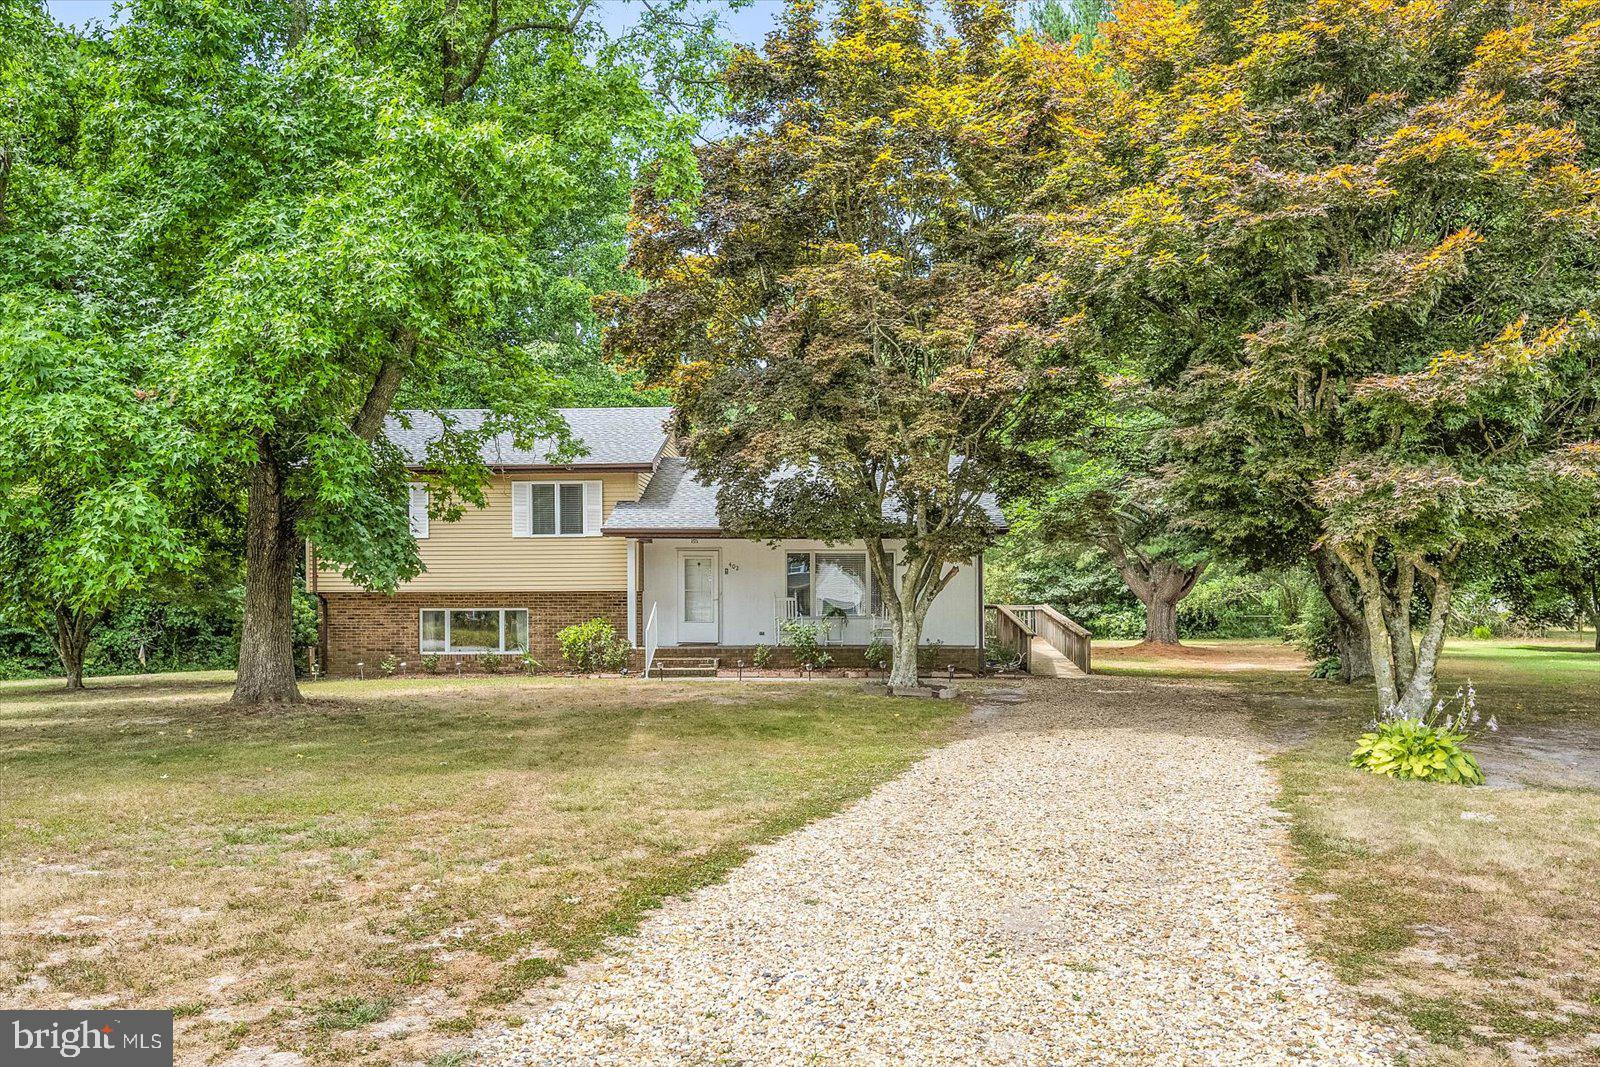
684,667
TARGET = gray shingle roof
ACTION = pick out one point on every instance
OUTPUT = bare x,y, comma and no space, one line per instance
676,501
625,437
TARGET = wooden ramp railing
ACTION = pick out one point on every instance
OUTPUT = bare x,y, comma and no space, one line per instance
1042,635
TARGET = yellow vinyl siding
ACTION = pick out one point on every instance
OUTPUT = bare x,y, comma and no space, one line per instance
478,552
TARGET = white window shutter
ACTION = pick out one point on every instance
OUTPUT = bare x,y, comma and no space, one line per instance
419,510
521,509
591,509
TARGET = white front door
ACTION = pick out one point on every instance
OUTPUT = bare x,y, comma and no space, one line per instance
698,622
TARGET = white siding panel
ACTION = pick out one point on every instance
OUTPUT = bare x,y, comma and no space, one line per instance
752,587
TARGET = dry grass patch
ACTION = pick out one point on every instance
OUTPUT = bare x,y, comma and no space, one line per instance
399,862
1474,914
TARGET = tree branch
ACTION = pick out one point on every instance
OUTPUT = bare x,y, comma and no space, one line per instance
369,420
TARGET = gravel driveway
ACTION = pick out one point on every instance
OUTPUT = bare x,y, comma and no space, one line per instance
1093,876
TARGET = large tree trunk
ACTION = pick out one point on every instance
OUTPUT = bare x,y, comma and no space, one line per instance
1158,585
70,638
1404,670
266,646
1160,621
906,602
907,638
1418,695
1349,626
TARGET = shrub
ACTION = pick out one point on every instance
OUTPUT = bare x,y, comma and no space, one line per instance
430,663
1127,622
389,665
1313,632
761,656
1481,632
489,663
531,665
1001,656
1327,667
1427,749
593,646
879,653
806,640
928,654
1235,605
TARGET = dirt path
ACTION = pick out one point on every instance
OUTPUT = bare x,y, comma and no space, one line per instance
1094,876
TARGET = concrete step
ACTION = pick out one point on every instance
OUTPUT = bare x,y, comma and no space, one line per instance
661,670
684,667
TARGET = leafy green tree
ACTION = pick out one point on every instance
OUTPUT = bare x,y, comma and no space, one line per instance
1353,258
1074,22
89,464
87,485
1553,585
838,318
324,204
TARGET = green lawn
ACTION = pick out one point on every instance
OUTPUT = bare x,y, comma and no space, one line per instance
406,855
1472,914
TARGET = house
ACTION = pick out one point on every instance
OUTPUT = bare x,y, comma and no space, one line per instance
625,532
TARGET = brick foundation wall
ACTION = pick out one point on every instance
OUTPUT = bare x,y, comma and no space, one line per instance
965,658
366,627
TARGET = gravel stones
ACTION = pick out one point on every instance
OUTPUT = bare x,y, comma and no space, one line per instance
1094,876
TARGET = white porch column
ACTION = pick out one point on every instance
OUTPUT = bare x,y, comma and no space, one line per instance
633,593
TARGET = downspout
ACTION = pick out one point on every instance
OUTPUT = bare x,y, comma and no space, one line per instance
319,653
979,616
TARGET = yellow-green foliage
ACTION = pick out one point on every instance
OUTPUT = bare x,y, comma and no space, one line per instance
1410,748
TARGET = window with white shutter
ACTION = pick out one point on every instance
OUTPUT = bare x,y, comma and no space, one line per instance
419,510
592,512
555,509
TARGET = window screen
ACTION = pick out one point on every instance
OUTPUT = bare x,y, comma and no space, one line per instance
572,507
433,631
516,630
542,509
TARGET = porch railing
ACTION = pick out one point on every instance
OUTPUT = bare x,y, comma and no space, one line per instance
650,640
832,629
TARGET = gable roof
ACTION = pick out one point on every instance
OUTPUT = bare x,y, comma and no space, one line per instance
677,503
625,438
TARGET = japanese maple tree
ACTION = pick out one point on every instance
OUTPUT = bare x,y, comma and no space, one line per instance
838,318
1354,260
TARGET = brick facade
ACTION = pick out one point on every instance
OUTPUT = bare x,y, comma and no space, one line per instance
366,627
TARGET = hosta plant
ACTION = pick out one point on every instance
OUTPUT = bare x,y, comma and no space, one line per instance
1429,748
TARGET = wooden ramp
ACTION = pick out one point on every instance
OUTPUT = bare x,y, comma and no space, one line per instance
1050,644
1049,663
